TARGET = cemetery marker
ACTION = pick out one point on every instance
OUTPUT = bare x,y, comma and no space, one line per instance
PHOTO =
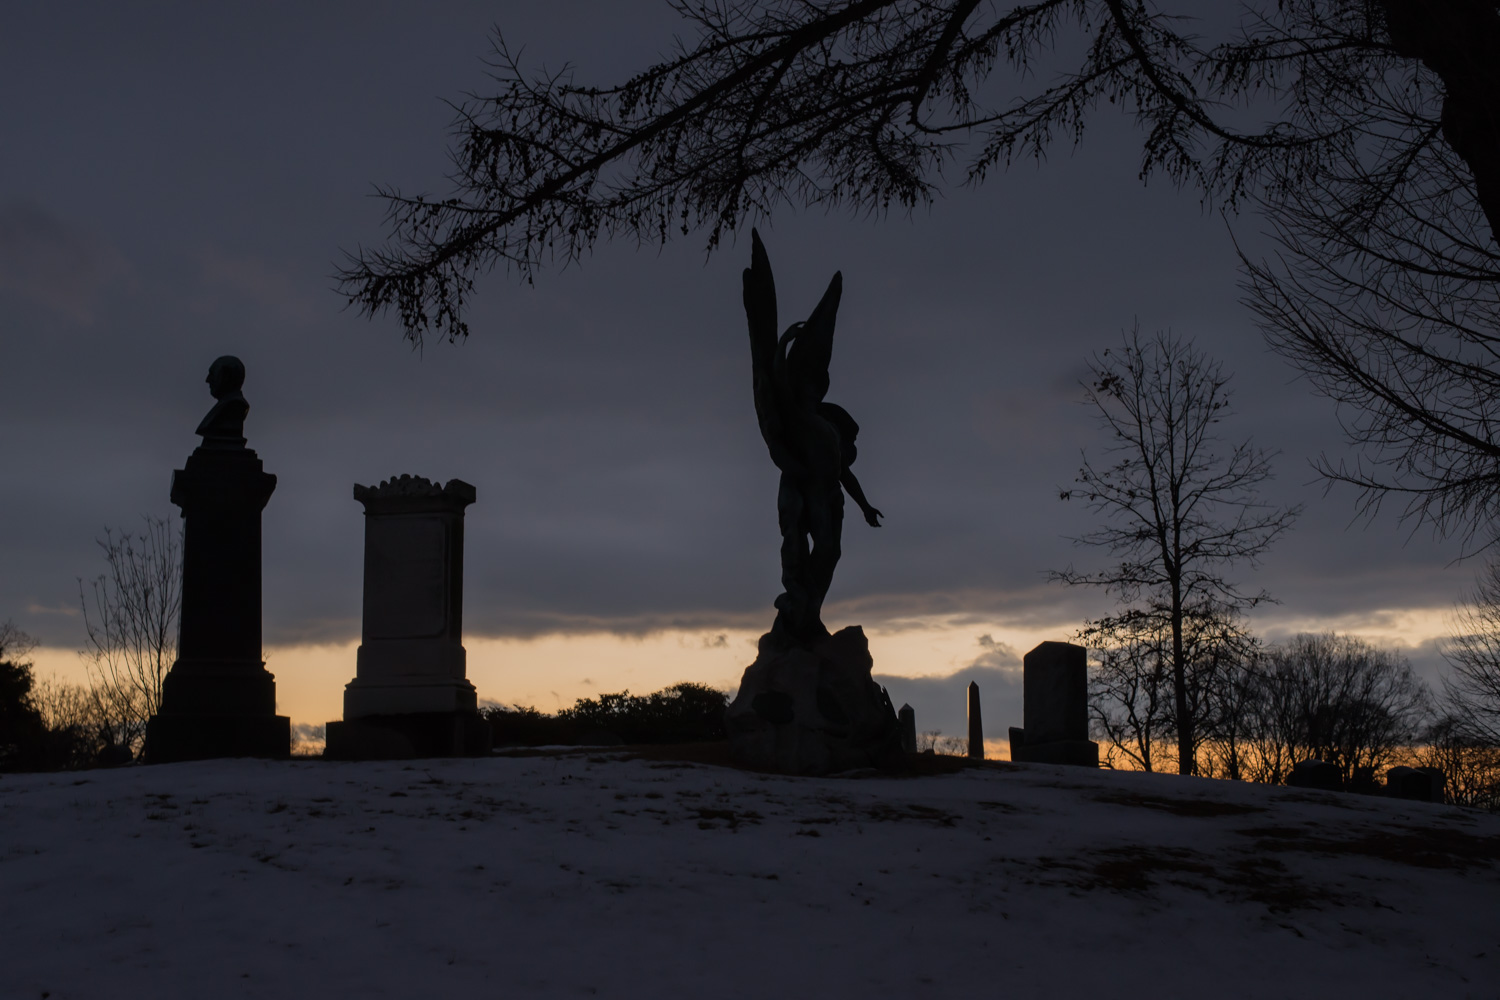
218,700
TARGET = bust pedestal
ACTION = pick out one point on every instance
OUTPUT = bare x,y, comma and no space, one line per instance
219,700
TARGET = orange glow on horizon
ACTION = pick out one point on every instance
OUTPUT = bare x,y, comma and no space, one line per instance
552,671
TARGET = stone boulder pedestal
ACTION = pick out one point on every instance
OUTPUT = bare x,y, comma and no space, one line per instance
813,709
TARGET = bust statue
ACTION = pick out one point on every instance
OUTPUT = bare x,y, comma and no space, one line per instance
223,429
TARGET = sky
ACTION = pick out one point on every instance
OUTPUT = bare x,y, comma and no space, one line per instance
180,181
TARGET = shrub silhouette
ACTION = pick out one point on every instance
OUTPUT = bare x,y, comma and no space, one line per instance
523,726
682,713
22,735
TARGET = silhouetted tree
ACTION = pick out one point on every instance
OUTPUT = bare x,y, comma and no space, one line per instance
1228,749
1180,514
1341,700
78,723
1385,288
863,103
1130,689
22,732
132,629
1470,765
1132,695
1473,651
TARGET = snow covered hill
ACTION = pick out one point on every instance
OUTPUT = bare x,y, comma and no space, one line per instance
568,874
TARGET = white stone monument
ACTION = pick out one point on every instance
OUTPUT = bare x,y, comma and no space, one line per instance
410,696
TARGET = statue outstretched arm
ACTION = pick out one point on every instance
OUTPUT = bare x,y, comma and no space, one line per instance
852,487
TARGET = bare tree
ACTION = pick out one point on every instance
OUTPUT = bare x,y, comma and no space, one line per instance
864,103
1473,651
67,706
1129,687
132,627
14,643
1385,287
1228,748
1180,513
1132,697
79,726
1342,700
1470,765
1262,715
22,731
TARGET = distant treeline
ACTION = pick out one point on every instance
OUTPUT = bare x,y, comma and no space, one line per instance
1260,710
682,713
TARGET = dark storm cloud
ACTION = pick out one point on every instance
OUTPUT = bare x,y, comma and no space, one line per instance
996,669
181,181
48,263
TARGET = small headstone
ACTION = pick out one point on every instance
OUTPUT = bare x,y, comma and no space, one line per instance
1055,694
410,696
976,724
113,755
219,700
1363,782
1419,784
908,719
1314,773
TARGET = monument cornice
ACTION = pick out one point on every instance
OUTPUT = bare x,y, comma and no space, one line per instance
414,494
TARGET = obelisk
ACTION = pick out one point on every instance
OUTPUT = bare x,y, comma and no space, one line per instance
976,723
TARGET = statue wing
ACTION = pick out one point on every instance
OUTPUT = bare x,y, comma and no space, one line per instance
760,311
812,351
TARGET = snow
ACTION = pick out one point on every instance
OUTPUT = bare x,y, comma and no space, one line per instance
566,873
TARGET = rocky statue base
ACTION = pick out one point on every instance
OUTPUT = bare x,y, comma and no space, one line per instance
813,710
407,735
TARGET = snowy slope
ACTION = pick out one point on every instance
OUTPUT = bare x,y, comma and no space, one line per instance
580,874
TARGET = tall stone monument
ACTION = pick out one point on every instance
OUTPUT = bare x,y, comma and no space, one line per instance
976,723
410,696
1055,695
808,704
219,700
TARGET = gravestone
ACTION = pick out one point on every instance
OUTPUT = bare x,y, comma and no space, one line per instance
410,696
976,724
218,700
908,719
1419,784
1055,696
1314,773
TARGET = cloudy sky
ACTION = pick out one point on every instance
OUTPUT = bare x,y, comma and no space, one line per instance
178,182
